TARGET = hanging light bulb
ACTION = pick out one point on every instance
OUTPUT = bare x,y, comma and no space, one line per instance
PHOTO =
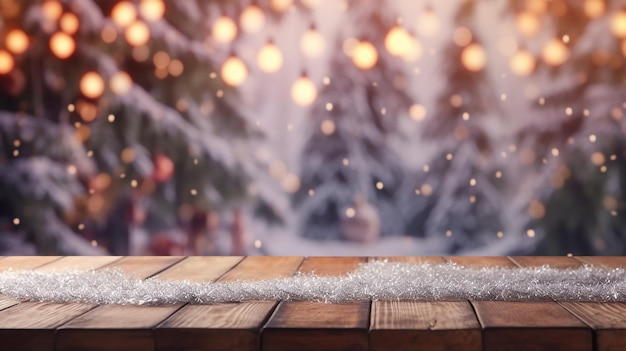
52,10
62,45
6,62
91,85
17,41
618,24
474,57
594,8
303,91
269,59
522,63
234,71
364,55
281,5
555,53
312,43
528,23
69,23
252,19
152,10
224,29
428,23
397,41
124,13
120,83
137,34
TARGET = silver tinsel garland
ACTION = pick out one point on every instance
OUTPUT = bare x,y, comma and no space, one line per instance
371,281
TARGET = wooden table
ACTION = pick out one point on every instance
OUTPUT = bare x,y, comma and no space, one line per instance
281,325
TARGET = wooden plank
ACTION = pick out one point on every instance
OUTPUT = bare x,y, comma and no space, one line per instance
530,325
606,318
144,266
300,325
113,327
81,263
226,326
423,325
481,261
31,325
560,262
25,262
604,261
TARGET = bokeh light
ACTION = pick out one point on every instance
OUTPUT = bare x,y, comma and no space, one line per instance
234,71
62,45
364,55
120,83
224,29
17,41
152,10
124,13
312,43
137,34
474,57
252,19
51,9
398,41
554,52
269,58
91,85
303,91
69,23
428,24
618,24
6,62
522,63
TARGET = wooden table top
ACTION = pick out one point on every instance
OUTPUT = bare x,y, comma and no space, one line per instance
283,325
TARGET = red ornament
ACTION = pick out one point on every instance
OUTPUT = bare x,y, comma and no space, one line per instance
163,168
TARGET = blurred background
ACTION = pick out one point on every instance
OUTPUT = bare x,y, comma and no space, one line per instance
312,127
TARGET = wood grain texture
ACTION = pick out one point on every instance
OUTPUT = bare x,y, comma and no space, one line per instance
226,326
560,262
200,268
78,263
604,261
423,325
25,262
300,325
480,261
113,327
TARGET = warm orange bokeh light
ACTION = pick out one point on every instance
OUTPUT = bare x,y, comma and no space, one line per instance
224,29
398,41
17,41
312,43
6,62
62,45
52,10
252,19
91,85
269,59
152,10
618,24
303,91
462,36
69,23
234,71
364,55
528,23
474,57
137,34
522,63
281,5
594,8
428,24
124,13
555,52
120,83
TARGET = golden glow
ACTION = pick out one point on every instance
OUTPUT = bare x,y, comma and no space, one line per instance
161,59
312,43
120,83
281,5
269,59
224,29
69,23
137,34
124,13
398,41
364,55
414,51
52,10
175,68
555,52
6,62
522,63
91,85
252,19
417,112
594,8
62,45
462,36
303,91
234,71
152,10
528,23
327,127
474,57
108,34
17,41
428,24
618,24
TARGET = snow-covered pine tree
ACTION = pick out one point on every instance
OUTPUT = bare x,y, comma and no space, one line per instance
348,158
579,199
106,100
460,181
